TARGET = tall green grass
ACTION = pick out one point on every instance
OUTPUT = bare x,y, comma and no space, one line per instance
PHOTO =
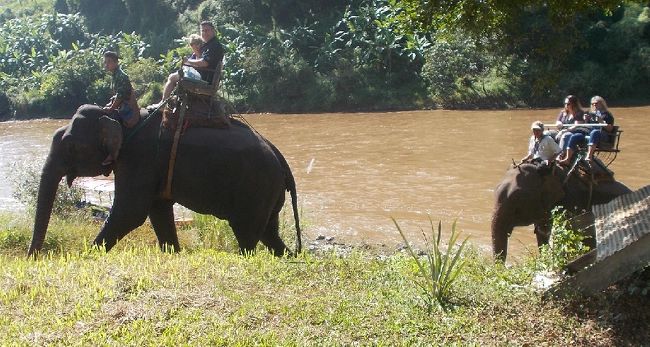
440,269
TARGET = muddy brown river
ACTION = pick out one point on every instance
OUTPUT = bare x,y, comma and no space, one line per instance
356,170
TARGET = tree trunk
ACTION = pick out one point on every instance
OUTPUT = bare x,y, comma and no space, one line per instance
50,179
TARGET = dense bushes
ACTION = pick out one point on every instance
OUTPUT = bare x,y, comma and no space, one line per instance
336,57
50,65
461,73
317,55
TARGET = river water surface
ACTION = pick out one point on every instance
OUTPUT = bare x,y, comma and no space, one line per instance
356,170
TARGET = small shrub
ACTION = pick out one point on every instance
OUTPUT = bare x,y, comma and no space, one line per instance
440,270
25,182
14,239
566,244
147,79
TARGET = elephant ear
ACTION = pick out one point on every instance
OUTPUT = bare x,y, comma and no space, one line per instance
552,191
110,133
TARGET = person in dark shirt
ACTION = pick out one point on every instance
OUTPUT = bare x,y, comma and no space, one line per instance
599,114
211,56
123,103
571,114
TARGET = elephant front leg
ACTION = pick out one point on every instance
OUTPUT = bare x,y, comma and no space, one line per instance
502,225
543,229
161,216
120,221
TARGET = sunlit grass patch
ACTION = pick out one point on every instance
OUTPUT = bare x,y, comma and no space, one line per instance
138,295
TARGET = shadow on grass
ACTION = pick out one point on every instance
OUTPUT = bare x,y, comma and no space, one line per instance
623,310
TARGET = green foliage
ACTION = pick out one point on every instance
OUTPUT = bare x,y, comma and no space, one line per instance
317,55
18,8
155,20
25,180
48,63
5,106
329,60
147,78
440,269
489,18
566,243
462,72
615,62
68,78
213,233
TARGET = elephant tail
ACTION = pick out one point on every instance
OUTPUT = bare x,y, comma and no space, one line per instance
290,185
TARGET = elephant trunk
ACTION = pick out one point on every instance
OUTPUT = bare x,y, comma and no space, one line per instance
501,230
50,179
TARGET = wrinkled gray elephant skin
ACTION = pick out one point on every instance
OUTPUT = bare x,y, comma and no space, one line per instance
234,174
527,194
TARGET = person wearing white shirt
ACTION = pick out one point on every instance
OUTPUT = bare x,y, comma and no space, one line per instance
541,148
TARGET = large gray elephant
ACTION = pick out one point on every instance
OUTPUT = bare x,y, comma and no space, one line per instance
528,193
233,173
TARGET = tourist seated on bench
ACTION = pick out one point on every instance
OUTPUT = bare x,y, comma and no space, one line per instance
195,43
571,114
599,114
211,55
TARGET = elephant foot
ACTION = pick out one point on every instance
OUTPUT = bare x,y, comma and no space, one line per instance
108,161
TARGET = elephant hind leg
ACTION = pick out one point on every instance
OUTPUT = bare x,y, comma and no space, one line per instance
271,237
247,235
161,216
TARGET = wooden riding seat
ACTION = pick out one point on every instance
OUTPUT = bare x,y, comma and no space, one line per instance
195,106
607,149
202,87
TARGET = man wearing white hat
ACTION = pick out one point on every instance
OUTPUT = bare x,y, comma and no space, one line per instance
541,148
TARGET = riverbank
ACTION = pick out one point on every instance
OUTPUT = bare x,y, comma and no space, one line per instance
210,295
67,113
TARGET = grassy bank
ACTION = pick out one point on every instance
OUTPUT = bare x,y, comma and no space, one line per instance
209,295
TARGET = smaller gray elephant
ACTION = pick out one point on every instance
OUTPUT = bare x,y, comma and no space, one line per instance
529,192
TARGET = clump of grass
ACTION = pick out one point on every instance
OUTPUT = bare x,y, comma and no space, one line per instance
213,233
440,269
